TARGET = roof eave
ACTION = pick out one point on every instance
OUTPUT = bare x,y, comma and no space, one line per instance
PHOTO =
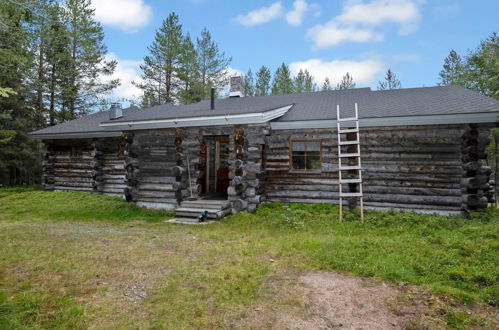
77,135
220,120
465,118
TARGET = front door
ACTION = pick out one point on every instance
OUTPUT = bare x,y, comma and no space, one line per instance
222,165
217,165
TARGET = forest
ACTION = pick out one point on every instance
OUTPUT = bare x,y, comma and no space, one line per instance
53,68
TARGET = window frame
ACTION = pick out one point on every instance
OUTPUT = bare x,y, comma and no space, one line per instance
296,170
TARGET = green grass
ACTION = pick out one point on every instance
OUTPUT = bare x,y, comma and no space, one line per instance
32,203
70,260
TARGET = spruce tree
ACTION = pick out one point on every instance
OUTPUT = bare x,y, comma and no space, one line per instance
327,85
262,85
249,84
213,64
299,82
88,67
309,85
453,70
391,81
19,155
346,82
282,83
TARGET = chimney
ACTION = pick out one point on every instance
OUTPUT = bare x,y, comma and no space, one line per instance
236,87
212,98
115,112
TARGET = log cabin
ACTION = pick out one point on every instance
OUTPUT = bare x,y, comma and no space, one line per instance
422,149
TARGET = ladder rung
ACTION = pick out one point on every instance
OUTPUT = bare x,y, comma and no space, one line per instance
348,130
350,180
346,143
348,168
348,119
354,194
350,155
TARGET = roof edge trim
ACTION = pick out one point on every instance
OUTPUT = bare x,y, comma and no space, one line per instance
248,118
78,135
468,118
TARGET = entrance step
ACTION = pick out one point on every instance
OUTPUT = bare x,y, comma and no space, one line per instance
216,209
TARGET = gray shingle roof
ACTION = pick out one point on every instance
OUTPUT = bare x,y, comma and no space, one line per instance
308,106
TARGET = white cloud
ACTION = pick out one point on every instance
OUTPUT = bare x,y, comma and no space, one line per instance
127,71
377,12
295,17
359,19
127,15
331,34
260,16
363,72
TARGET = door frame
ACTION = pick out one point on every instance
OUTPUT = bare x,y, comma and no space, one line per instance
218,141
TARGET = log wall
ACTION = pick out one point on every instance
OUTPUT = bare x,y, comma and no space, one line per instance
92,165
420,168
149,163
414,168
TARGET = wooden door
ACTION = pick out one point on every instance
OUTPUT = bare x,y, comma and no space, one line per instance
222,164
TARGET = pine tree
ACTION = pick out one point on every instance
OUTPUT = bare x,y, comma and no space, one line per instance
346,82
160,71
453,70
262,85
57,61
249,84
391,81
282,83
88,66
327,85
188,73
213,64
309,85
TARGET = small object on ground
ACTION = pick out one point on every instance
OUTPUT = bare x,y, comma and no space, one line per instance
203,216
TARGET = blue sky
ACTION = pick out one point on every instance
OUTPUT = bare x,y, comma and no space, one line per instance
329,38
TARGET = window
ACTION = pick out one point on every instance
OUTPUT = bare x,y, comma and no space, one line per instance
306,155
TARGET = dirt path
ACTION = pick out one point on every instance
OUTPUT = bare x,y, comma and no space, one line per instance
327,300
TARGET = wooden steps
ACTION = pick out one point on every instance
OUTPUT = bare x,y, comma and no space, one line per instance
192,211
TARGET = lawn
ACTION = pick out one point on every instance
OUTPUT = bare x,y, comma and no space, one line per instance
76,260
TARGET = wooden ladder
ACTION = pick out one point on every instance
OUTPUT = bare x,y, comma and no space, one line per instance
345,126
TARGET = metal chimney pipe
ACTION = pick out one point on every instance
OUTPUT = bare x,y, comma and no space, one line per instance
212,98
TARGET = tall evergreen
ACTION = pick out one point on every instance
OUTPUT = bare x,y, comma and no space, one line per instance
249,84
188,73
299,82
391,81
87,64
327,85
282,83
19,155
213,64
160,71
309,85
262,84
58,62
346,82
452,72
